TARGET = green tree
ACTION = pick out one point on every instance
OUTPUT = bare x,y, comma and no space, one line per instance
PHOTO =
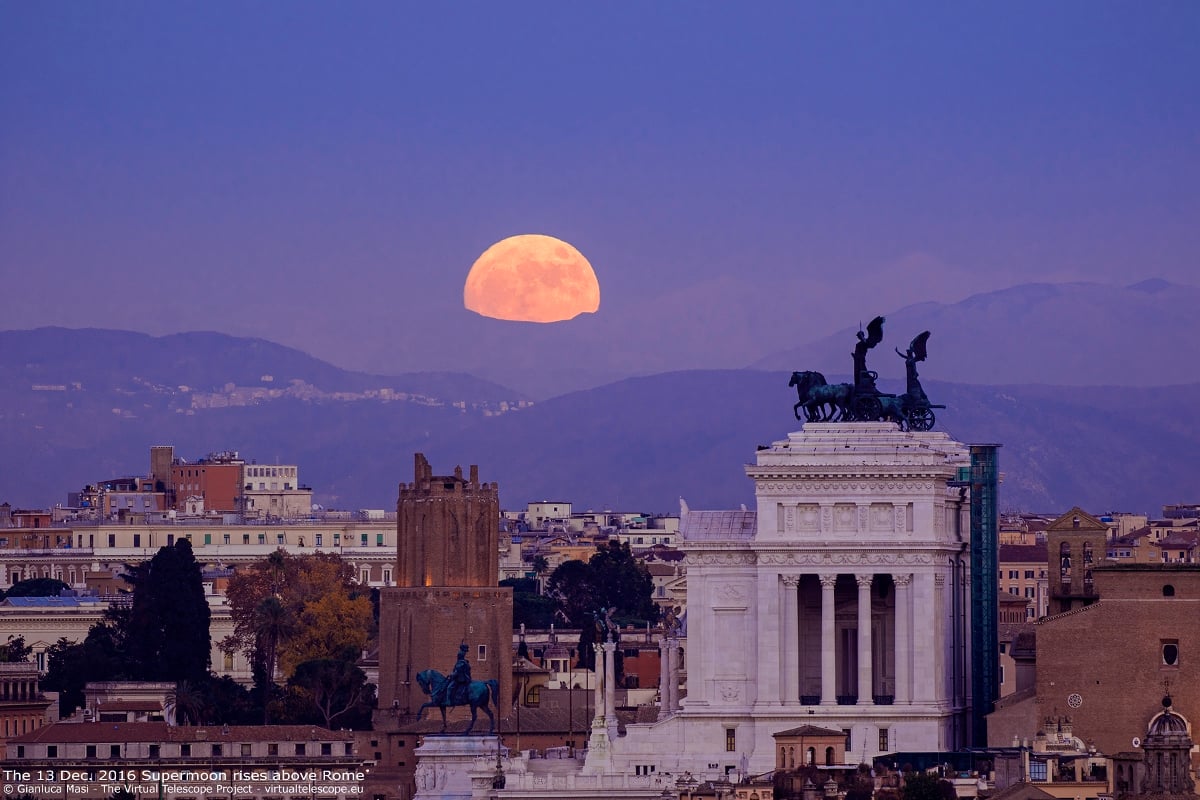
37,587
612,578
186,703
70,665
924,786
337,690
15,650
167,635
273,623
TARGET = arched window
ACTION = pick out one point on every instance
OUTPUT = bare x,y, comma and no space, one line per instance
783,758
1087,553
1064,560
791,758
1168,590
812,756
829,756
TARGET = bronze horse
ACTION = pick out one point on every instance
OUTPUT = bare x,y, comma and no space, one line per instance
821,401
477,697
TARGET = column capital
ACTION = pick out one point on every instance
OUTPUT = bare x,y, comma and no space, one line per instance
790,581
902,581
827,581
609,646
864,581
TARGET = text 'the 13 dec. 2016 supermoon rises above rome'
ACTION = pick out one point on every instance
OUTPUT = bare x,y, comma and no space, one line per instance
532,278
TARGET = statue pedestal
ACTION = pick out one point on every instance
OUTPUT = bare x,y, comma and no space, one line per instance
452,767
599,751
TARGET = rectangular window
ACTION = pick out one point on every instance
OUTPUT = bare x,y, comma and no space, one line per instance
137,540
216,750
337,539
300,749
379,540
482,652
112,540
246,749
364,576
1028,574
326,749
1012,574
245,538
225,537
363,539
273,749
154,750
883,740
279,538
319,539
731,740
387,576
90,751
51,751
114,751
262,538
208,538
170,539
1037,770
185,750
849,743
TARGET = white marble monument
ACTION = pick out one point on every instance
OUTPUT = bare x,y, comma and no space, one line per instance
842,601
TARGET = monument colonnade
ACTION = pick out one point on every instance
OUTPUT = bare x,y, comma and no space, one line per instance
791,636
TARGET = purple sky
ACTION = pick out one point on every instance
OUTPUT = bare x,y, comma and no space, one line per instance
742,177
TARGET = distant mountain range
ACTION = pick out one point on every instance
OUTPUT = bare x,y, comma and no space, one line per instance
1073,334
78,406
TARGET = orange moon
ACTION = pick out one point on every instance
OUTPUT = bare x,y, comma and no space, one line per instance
531,278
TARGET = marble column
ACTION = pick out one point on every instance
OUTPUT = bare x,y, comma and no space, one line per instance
673,664
865,689
598,676
901,641
610,683
790,641
828,642
664,678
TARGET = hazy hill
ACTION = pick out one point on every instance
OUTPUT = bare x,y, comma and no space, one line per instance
205,361
643,442
639,443
1075,334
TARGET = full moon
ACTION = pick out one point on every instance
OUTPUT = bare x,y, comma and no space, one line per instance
531,278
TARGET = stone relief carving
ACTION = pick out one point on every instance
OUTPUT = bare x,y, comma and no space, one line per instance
790,581
828,581
869,557
810,517
728,559
939,581
843,517
864,520
789,519
731,591
827,487
729,692
901,521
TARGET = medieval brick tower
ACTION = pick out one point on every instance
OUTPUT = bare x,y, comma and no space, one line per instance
447,568
1075,542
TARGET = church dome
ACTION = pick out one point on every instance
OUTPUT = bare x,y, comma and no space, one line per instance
1167,724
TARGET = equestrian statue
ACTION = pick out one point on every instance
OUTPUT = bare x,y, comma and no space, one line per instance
457,689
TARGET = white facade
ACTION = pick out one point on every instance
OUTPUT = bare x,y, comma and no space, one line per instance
841,602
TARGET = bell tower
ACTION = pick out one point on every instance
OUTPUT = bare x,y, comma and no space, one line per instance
1075,543
447,570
